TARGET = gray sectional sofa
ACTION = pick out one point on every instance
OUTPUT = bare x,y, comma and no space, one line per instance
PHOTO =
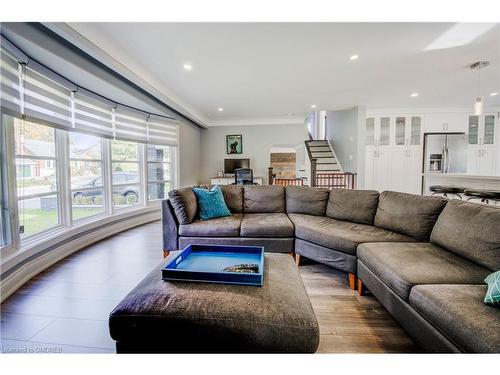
424,258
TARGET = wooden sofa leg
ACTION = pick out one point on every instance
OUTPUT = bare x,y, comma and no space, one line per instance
166,253
352,281
361,288
297,259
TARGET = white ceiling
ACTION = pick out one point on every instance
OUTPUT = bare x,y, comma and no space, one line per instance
263,71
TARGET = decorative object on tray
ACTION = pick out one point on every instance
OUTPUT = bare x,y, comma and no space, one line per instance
211,203
234,144
217,264
246,268
493,293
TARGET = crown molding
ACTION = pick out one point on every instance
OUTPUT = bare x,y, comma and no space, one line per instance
253,121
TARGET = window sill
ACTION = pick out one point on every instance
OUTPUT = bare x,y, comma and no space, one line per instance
59,235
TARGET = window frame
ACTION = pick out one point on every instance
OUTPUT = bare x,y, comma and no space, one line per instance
172,165
59,188
102,161
140,177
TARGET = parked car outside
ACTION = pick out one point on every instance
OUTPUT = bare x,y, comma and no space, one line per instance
122,179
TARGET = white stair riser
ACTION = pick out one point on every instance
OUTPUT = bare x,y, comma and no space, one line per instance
317,143
319,148
326,160
327,167
322,154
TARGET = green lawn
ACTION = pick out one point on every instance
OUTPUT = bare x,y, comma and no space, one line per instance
37,220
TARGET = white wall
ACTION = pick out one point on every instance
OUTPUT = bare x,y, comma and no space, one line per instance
257,143
345,131
189,153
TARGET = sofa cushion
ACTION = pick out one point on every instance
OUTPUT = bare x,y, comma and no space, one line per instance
413,215
233,196
404,265
340,235
358,206
306,200
260,199
266,225
228,226
184,203
470,230
211,203
459,313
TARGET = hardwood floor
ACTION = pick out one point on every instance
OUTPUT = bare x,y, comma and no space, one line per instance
65,308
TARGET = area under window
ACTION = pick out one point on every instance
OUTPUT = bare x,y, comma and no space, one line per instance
86,165
125,173
160,171
36,177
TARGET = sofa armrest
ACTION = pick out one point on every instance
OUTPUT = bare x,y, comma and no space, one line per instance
170,227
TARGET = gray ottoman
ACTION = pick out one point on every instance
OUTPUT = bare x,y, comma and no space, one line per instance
182,317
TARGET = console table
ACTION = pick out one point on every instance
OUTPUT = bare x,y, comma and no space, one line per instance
230,180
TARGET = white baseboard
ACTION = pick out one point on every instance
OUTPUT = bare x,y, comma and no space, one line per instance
22,275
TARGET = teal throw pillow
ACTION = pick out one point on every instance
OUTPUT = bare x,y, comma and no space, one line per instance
211,203
493,293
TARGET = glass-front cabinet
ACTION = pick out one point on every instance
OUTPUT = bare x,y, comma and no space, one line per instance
482,153
370,131
481,129
416,131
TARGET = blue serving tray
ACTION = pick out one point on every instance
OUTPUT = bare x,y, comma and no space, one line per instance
204,263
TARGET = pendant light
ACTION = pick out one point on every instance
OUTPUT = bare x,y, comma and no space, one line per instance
478,101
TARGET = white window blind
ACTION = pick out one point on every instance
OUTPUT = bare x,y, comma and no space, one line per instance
46,100
10,92
40,95
162,131
93,116
130,125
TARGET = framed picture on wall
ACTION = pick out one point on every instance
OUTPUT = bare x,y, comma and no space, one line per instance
234,144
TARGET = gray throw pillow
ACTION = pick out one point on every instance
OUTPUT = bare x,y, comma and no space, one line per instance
184,203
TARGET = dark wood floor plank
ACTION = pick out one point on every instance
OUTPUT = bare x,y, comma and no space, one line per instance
67,305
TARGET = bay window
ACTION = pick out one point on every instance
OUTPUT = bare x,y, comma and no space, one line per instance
36,177
86,165
73,157
160,171
125,173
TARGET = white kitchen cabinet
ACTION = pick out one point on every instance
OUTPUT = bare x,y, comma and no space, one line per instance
482,129
482,160
394,153
445,123
406,169
378,169
482,151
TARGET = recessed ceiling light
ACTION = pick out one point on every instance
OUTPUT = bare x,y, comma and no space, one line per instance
188,67
494,94
354,57
220,109
313,106
414,95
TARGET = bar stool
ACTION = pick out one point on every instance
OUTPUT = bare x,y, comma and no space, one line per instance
445,190
484,195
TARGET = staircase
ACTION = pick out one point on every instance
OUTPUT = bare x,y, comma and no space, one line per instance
326,161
